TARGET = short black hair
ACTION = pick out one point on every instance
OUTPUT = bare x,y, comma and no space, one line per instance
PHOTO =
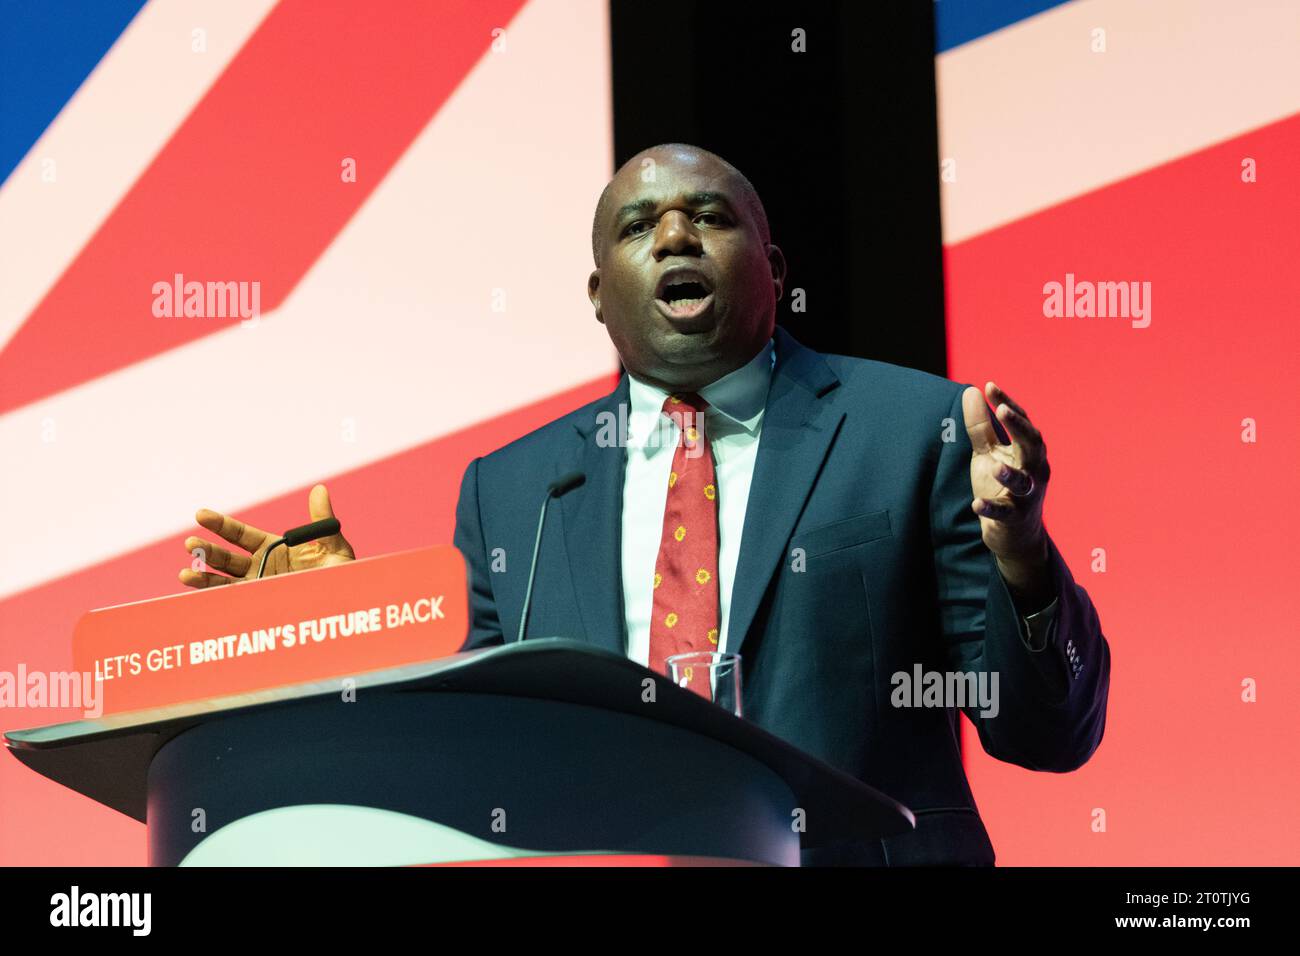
750,195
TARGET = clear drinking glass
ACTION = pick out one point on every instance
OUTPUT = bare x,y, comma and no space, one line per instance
712,675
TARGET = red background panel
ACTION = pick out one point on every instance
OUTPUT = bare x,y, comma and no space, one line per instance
1144,434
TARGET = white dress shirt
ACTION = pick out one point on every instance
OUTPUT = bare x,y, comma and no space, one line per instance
732,426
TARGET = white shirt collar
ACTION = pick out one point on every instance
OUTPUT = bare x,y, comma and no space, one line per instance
739,396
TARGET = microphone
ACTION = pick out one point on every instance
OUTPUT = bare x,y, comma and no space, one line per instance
558,488
301,535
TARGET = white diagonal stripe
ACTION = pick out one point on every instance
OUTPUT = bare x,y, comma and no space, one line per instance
1033,117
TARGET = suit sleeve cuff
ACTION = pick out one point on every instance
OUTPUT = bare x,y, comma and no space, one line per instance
1040,628
1034,660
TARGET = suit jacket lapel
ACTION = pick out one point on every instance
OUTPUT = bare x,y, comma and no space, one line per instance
593,520
799,426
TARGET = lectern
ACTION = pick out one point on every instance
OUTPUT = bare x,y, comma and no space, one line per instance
546,749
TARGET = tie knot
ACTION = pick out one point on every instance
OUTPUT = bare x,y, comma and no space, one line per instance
686,410
684,402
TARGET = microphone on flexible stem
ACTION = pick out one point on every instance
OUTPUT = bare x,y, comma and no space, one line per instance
558,488
301,535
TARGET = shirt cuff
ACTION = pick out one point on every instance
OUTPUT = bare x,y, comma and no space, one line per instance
1038,627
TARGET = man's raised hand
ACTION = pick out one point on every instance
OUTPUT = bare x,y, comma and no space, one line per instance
210,557
1009,483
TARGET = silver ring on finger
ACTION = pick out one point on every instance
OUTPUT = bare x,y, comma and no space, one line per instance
1025,494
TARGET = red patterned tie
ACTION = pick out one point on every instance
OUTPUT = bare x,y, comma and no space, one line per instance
685,615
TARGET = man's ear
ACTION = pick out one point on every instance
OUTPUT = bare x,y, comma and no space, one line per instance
776,259
593,293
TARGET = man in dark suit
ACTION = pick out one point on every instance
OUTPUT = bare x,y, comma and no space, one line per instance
851,529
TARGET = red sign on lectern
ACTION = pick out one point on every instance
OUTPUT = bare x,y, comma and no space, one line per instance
333,622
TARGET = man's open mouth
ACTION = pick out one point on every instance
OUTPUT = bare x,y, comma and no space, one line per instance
684,296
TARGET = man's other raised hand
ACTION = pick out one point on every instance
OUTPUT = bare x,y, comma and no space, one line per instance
234,566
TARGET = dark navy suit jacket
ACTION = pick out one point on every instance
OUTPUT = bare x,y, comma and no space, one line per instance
854,470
